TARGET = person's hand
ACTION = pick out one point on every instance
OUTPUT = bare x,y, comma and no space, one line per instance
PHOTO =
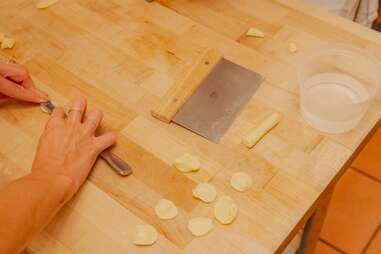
68,146
15,82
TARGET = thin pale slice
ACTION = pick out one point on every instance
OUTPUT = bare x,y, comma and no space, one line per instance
200,226
166,209
145,235
7,43
255,32
260,131
292,47
42,4
225,210
241,181
187,163
205,192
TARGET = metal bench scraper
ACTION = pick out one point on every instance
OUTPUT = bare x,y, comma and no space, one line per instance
209,97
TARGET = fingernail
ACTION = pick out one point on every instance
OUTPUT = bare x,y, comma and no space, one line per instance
43,97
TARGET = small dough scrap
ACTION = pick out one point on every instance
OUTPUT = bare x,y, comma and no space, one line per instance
42,4
166,209
187,163
145,235
292,48
200,226
241,181
2,36
205,192
225,210
255,32
258,132
7,43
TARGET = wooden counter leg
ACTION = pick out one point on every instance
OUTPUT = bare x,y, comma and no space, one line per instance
314,225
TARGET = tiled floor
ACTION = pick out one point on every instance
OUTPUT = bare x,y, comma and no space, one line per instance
353,222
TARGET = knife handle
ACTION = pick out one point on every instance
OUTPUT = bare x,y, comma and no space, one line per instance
185,85
116,163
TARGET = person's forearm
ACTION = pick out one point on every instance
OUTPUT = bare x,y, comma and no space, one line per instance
27,205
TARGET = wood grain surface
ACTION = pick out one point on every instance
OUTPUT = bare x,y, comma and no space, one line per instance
123,55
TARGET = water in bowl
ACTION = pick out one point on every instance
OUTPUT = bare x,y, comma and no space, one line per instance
333,102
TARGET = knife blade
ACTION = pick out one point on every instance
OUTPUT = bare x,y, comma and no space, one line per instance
114,161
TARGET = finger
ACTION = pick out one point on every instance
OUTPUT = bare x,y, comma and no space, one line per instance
92,121
15,72
44,96
58,112
57,116
4,99
104,141
16,91
28,82
7,68
77,110
24,79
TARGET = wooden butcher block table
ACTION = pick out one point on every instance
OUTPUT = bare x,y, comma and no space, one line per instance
123,55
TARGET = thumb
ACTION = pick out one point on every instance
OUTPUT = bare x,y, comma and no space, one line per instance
16,91
4,99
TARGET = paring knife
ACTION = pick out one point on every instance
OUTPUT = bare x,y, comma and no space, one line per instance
116,163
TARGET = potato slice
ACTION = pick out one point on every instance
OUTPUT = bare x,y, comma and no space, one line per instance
225,210
7,43
292,48
205,192
241,181
166,209
42,4
255,32
200,226
2,36
258,132
187,163
145,235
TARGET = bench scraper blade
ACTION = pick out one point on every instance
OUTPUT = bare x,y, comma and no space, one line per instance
218,100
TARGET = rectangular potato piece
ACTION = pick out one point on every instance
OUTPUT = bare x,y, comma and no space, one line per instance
258,132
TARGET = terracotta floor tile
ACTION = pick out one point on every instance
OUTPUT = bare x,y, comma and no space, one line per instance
354,212
369,158
323,248
375,246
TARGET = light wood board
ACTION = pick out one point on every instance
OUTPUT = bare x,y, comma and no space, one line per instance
124,55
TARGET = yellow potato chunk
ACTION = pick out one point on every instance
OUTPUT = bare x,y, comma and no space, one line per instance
166,209
200,226
225,210
255,32
2,36
187,163
145,235
205,192
258,132
7,43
